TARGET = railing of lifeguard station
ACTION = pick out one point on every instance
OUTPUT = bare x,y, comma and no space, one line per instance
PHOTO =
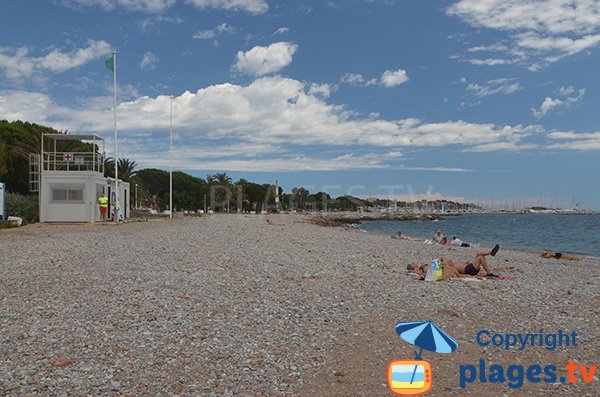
73,161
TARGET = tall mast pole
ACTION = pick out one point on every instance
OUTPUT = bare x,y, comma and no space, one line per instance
116,203
171,164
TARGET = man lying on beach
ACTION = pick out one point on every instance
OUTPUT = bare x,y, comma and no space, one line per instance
402,236
462,268
559,255
270,222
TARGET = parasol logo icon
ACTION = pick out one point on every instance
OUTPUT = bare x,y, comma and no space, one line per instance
414,377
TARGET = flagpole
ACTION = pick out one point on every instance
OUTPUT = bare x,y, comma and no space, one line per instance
116,214
171,164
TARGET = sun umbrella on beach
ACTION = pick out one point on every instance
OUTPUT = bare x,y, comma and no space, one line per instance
426,335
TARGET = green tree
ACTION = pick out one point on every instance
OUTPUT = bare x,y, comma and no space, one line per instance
222,191
126,169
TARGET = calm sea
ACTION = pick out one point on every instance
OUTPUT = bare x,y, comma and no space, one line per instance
577,234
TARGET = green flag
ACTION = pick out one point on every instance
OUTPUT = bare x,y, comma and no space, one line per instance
110,63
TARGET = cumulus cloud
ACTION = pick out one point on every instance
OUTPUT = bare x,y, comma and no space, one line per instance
567,96
17,63
321,89
214,33
251,6
272,110
540,31
260,61
149,61
388,79
504,86
394,78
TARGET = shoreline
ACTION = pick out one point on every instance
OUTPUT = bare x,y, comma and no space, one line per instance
529,249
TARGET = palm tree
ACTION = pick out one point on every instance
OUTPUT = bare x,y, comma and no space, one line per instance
109,167
126,169
224,192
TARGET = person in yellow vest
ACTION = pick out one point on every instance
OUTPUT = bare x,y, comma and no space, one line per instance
103,204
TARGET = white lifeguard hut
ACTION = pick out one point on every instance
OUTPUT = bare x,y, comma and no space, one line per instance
69,183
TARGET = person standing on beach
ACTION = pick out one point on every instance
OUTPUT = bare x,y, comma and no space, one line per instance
103,205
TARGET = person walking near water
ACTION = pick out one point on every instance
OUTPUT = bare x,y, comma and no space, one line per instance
103,205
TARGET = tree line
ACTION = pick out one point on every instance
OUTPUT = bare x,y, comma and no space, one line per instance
150,187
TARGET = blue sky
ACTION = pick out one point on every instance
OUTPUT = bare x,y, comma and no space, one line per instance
494,100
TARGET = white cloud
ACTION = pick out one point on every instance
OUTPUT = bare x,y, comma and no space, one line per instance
388,79
575,141
149,22
251,6
394,78
295,163
156,6
547,16
490,61
149,61
353,79
260,61
504,86
500,146
17,63
214,33
547,105
281,30
540,31
137,5
271,110
321,89
568,96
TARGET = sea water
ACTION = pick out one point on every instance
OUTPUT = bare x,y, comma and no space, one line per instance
576,234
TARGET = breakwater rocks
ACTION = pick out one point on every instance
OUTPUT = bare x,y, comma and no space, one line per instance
336,219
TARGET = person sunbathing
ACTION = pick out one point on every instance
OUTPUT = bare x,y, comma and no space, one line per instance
462,268
559,255
270,222
473,268
402,236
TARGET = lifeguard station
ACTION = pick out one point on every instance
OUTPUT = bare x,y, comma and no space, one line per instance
69,183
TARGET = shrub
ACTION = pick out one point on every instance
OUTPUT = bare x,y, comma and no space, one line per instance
26,207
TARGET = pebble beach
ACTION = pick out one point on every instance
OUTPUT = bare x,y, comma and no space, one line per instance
229,305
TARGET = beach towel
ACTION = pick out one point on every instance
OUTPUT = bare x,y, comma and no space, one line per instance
482,277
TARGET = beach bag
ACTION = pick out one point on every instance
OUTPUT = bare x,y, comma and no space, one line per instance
435,272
